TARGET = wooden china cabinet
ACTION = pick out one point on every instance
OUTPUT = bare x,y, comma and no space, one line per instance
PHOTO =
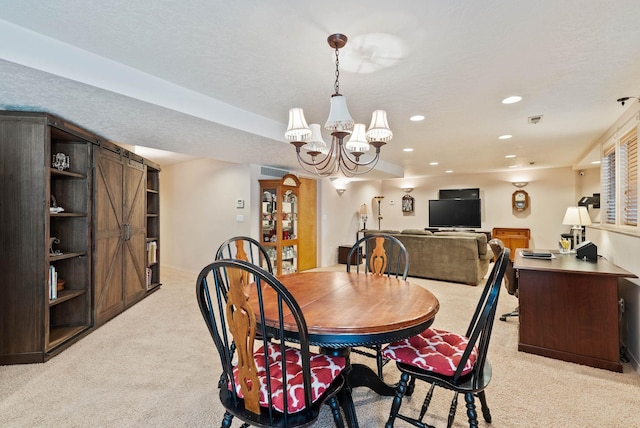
288,223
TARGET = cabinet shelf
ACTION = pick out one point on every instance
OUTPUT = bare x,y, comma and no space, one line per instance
66,174
65,295
66,214
58,335
64,256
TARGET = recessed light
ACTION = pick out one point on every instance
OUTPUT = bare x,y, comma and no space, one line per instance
510,156
416,118
407,149
449,171
512,99
505,137
433,163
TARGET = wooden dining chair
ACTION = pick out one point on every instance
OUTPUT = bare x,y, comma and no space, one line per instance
247,249
279,384
449,360
383,255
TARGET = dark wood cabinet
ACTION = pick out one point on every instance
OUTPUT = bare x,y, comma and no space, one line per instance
77,215
120,251
45,230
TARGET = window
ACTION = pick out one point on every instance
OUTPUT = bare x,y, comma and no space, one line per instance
619,178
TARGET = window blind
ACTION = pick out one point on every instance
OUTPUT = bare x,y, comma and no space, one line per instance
629,178
608,169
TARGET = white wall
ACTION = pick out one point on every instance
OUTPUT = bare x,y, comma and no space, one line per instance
198,210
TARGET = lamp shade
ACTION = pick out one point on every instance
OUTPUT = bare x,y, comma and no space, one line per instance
358,139
339,117
379,128
577,216
363,209
297,130
316,143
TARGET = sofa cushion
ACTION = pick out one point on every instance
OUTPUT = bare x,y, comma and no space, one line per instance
416,232
481,240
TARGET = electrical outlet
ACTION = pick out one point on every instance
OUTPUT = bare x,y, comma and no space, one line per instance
621,304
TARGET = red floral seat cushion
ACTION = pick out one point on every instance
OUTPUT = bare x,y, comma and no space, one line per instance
433,350
324,369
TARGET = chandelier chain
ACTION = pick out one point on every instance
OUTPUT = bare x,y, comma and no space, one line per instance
336,85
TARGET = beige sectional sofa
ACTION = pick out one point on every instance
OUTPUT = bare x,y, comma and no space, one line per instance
449,256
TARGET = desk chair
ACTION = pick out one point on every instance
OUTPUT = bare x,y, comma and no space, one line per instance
452,361
384,255
275,385
510,277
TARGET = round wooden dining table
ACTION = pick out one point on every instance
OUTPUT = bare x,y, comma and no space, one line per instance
343,310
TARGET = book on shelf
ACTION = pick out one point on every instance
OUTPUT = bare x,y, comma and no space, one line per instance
53,283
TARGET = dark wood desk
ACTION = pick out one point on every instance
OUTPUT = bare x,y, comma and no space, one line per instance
569,309
349,309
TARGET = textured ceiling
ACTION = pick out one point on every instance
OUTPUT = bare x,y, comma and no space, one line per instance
216,78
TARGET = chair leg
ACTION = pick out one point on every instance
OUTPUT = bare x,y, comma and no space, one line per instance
452,410
411,387
427,400
379,361
483,405
471,410
514,313
335,411
226,420
397,400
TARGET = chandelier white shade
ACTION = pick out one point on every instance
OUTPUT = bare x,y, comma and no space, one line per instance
298,130
379,128
339,117
340,157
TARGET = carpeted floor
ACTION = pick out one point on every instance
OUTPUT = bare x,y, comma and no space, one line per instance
155,366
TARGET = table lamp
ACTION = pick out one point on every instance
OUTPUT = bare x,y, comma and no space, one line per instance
576,217
364,212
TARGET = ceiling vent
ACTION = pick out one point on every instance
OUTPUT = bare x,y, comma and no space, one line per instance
273,172
535,119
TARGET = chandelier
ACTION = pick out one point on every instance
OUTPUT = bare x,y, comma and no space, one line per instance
340,157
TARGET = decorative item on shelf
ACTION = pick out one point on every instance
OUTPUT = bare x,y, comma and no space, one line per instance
407,200
60,161
54,251
60,284
340,157
379,199
54,208
364,215
576,217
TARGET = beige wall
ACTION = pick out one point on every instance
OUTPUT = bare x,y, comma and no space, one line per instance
198,210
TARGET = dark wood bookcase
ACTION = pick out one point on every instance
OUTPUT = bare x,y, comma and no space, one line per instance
96,241
35,323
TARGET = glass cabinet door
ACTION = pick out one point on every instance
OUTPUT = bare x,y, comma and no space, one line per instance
289,231
269,216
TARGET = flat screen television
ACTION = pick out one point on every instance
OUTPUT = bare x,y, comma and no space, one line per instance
454,213
459,193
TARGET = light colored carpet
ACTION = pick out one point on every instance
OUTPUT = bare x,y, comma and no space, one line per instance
155,366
